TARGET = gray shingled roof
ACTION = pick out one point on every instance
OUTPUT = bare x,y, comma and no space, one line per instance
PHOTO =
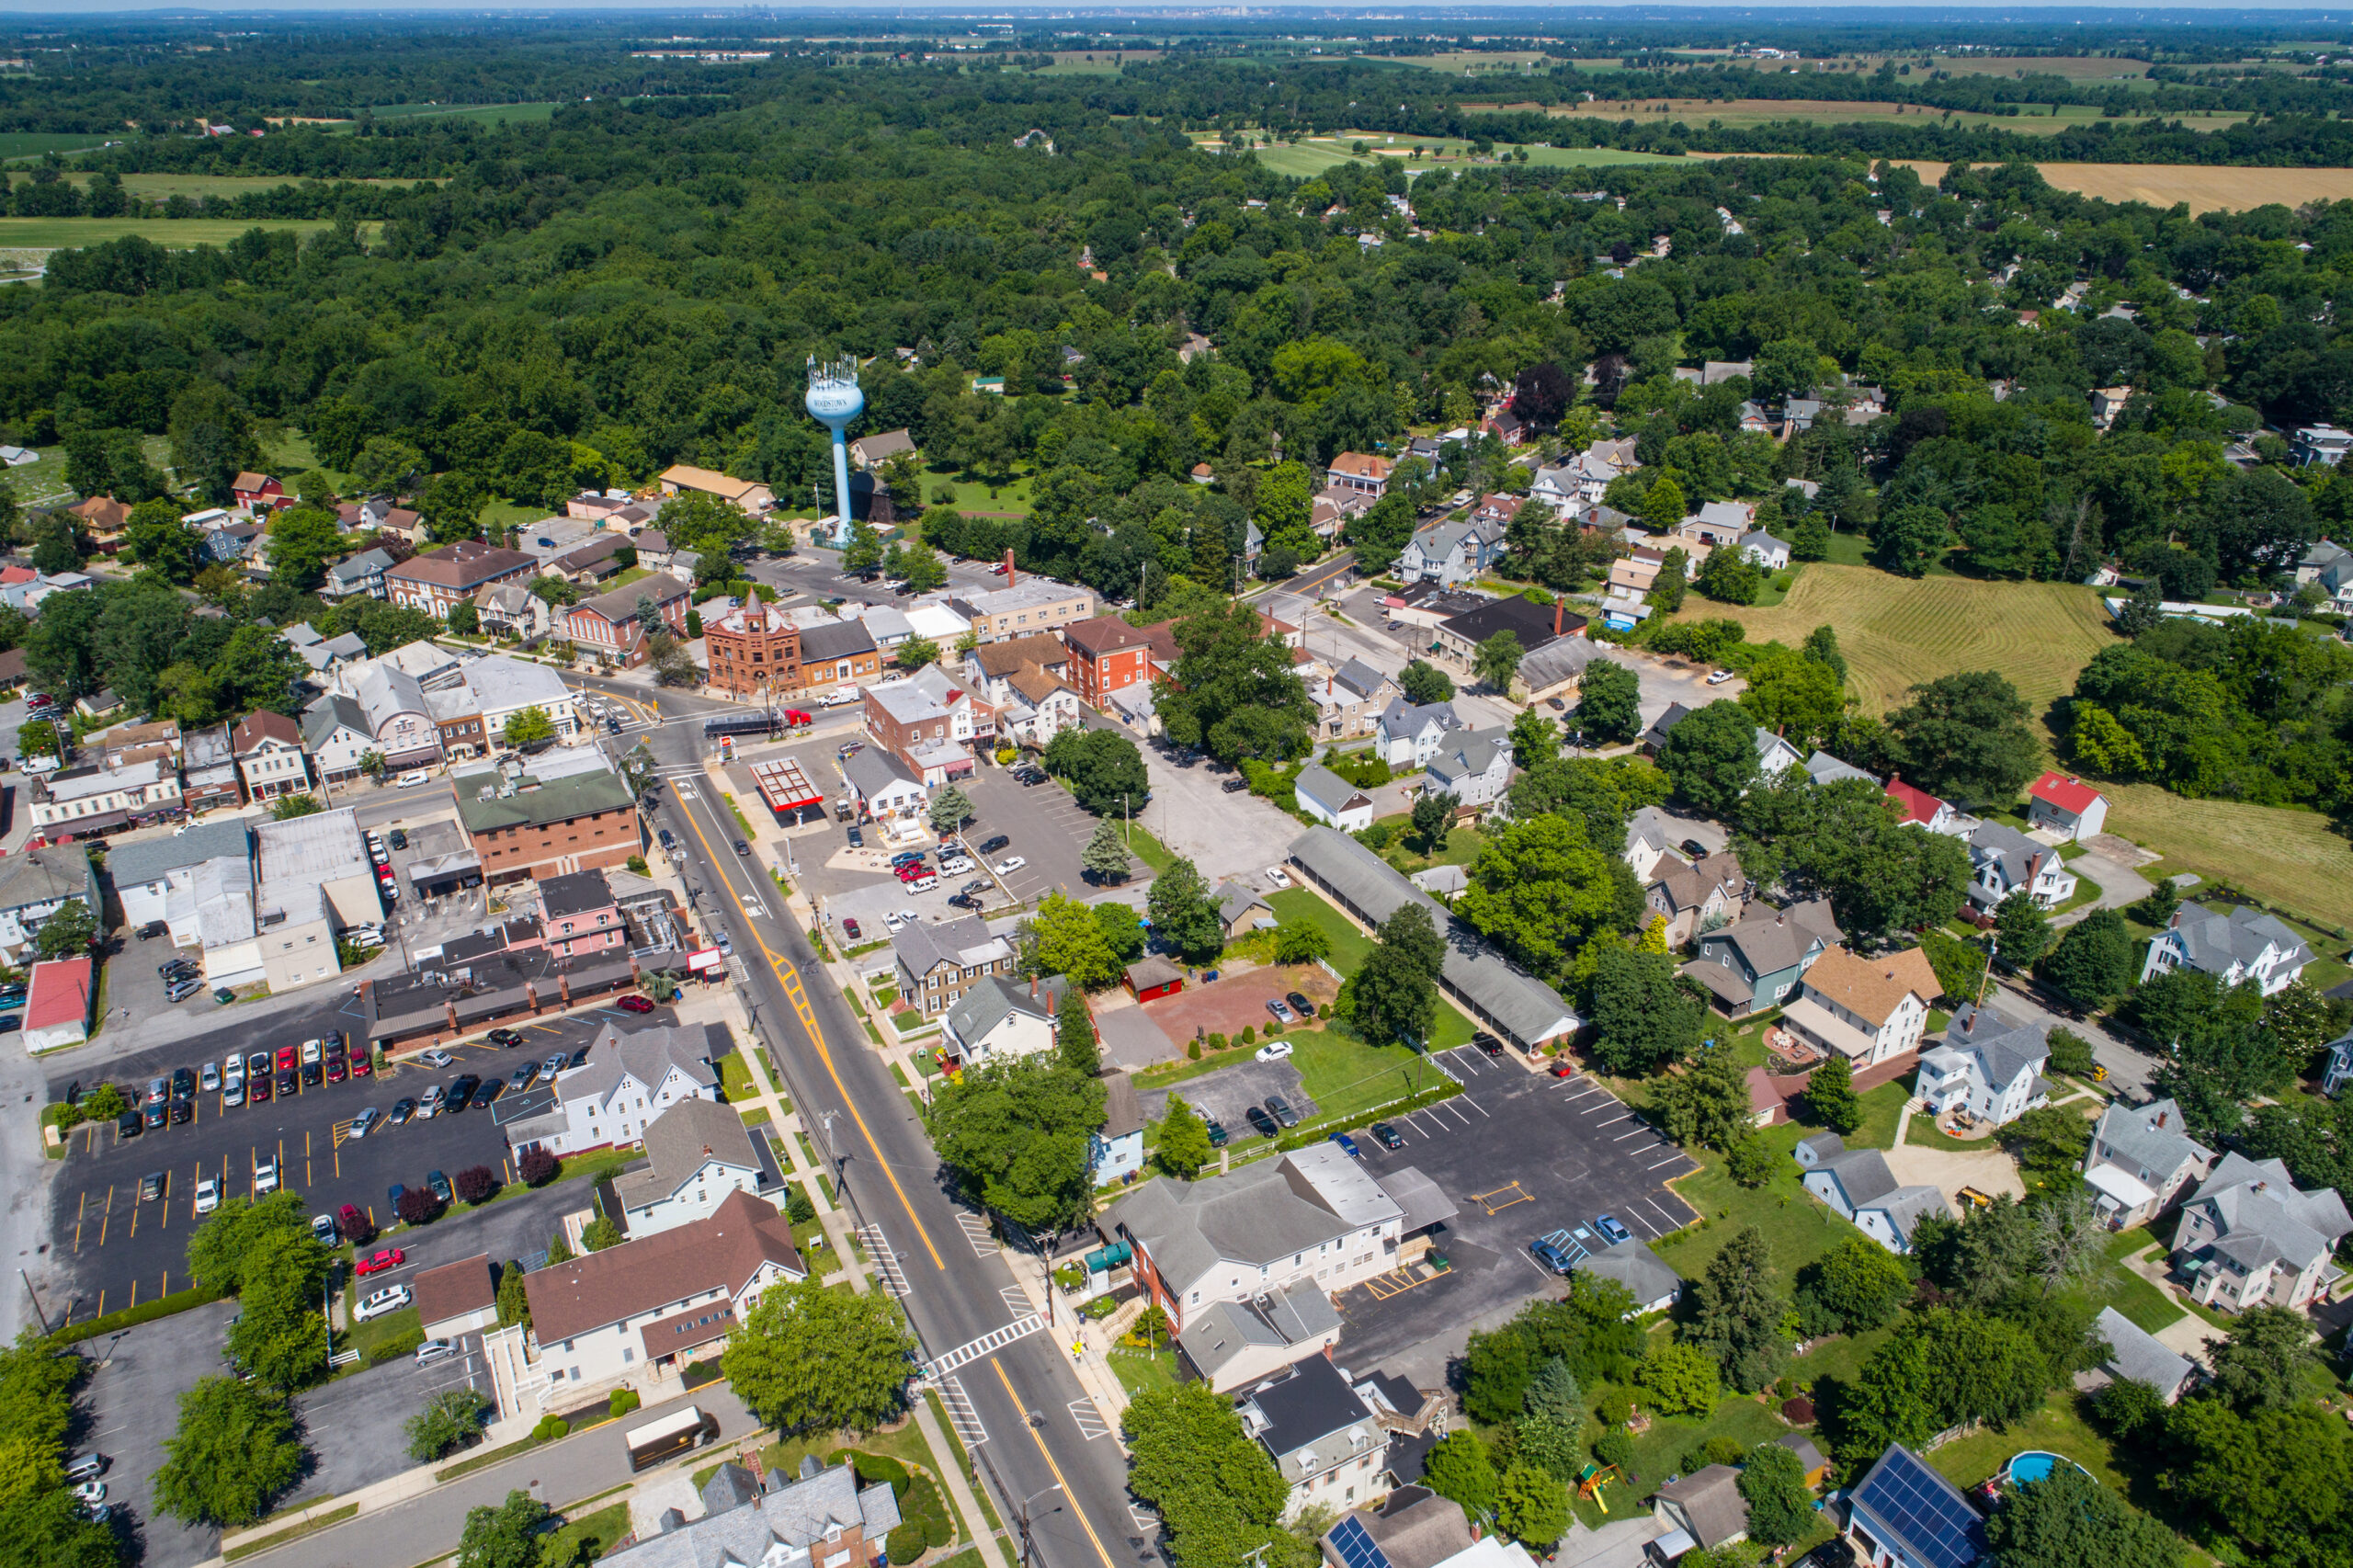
2263,1218
1520,1004
2213,941
648,1055
1862,1175
2007,1048
796,1517
1252,1216
1906,1206
1472,754
959,943
1328,790
679,1141
2139,1355
1774,939
1359,677
2149,1137
1634,1265
148,859
988,1004
47,876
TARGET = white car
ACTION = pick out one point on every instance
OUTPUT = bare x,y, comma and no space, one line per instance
1009,864
893,922
311,1052
209,1078
1274,1051
955,865
265,1177
391,1299
91,1491
208,1195
1277,877
232,1094
413,779
1717,677
437,1057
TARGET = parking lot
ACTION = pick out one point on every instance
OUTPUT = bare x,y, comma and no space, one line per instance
118,1251
1226,1095
1520,1154
1225,835
1044,827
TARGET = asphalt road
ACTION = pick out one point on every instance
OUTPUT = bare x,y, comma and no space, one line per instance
118,1251
1014,1404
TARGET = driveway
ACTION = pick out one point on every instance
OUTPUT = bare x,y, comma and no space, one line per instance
133,1404
1227,1095
2114,864
1666,682
1228,1006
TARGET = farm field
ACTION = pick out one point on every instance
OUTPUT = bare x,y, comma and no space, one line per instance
1897,632
173,233
1743,114
2289,858
487,114
1096,62
2075,68
32,144
1476,62
2207,188
160,187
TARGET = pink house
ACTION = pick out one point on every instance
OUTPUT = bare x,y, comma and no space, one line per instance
577,915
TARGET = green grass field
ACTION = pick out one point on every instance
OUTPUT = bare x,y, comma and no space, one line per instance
2291,857
161,187
486,114
1349,947
33,143
181,234
1316,154
1747,114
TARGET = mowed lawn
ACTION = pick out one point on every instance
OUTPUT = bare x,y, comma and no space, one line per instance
1897,632
161,187
2289,858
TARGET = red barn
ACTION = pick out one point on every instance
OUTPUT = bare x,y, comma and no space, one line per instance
1154,977
259,493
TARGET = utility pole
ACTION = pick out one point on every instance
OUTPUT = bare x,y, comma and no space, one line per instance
1992,951
44,1316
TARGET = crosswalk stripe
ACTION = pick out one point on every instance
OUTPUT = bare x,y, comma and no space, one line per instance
995,1339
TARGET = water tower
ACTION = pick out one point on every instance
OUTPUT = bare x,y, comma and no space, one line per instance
833,401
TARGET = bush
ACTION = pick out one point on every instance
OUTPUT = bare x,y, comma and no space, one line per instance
1376,837
537,1166
1615,1447
1192,1051
361,1232
921,1505
872,1468
476,1184
2070,1053
419,1207
1614,1410
1324,1009
622,1403
549,1428
394,1349
103,1103
1217,1041
1249,1034
907,1543
1273,1028
798,1209
638,866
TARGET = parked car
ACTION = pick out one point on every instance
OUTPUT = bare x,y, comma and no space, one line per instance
338,1067
1216,1131
1346,1145
288,1083
552,1065
1009,864
155,1116
523,1077
434,1350
1488,1043
1282,1014
1277,877
403,1109
1260,1122
153,928
1280,1109
633,1004
1717,677
158,1091
1236,785
856,837
323,1226
460,1089
435,1057
993,843
365,1122
363,1065
1274,1050
412,779
954,866
183,1084
743,848
353,1220
179,991
1609,1226
923,883
209,1078
257,1089
1386,1136
505,1040
906,857
440,1185
850,928
1555,1250
183,1111
152,1186
208,1195
288,1056
400,838
391,1299
1300,1004
130,1124
265,1177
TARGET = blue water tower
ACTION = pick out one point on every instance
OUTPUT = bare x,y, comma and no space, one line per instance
833,401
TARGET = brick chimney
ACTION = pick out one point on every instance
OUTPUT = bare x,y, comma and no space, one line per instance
1558,605
1011,577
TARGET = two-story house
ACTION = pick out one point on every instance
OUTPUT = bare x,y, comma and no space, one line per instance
269,755
2245,947
86,801
937,964
1360,472
440,580
2249,1236
1328,1442
1407,735
36,884
2003,861
1868,1010
823,1518
1472,765
2141,1160
1692,897
697,1153
1757,961
1349,701
579,915
1450,552
629,1080
1040,706
1763,550
641,1308
337,734
1115,1150
358,575
2067,805
613,625
997,1019
1918,808
503,609
1987,1067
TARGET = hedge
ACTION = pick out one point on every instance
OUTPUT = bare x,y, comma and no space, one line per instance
146,1311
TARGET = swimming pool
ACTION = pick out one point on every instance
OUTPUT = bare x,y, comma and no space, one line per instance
2036,1465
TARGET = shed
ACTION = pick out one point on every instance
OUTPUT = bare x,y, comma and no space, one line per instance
1154,977
457,1298
1817,1468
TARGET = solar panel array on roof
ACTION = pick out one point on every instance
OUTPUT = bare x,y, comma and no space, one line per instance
1356,1546
1923,1509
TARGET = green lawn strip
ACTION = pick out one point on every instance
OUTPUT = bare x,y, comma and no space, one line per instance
963,1462
2116,1285
377,1333
855,1005
128,1317
735,1077
1149,850
872,1033
1882,1108
317,1522
1141,1371
603,1528
898,1072
821,1260
474,1462
1350,946
756,1116
808,1151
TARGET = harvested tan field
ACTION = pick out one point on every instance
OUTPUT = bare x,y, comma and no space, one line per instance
2207,188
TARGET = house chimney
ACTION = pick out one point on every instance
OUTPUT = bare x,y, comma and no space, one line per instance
1011,577
2161,1117
1558,606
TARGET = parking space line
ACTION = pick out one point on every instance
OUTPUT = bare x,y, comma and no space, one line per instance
1613,1121
1678,1155
1636,1133
1461,1100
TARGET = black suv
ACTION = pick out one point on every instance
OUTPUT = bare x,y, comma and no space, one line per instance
1261,1122
1488,1043
1217,1132
993,843
183,1084
460,1090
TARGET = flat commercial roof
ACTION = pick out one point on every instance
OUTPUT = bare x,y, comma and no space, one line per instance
784,786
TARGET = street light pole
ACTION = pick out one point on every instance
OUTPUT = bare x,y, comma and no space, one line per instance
1057,1486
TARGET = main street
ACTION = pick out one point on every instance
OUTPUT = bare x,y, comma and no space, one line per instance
1020,1407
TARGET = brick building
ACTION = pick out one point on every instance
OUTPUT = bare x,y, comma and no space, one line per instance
440,579
580,822
1106,655
579,915
609,624
752,648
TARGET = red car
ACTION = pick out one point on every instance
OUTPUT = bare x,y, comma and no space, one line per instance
353,1220
633,1005
913,870
337,1066
288,1058
361,1065
391,1257
1563,1068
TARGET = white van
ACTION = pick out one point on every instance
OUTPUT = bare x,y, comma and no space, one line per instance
411,779
43,764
